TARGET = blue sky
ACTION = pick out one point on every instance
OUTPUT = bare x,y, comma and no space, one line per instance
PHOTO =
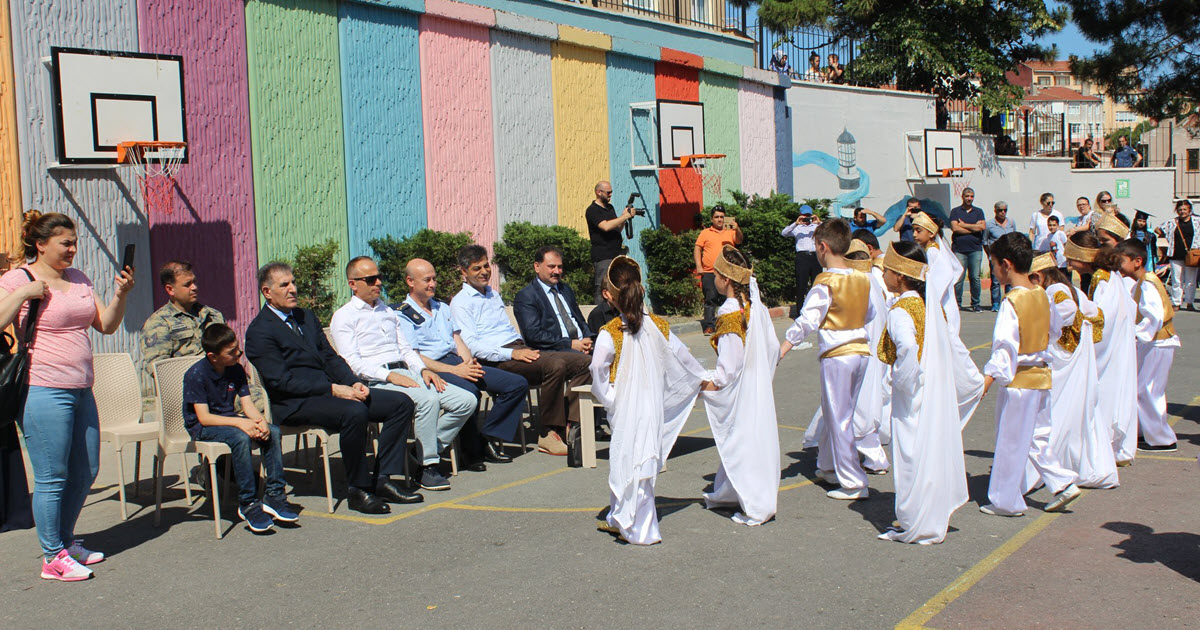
1070,41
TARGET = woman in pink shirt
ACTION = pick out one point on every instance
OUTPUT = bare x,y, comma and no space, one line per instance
61,426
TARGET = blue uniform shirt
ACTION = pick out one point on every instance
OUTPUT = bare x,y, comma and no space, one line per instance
431,335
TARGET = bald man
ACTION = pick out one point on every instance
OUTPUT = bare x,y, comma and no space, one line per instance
604,230
428,326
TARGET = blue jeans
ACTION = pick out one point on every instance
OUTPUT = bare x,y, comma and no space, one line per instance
62,434
243,466
997,293
970,264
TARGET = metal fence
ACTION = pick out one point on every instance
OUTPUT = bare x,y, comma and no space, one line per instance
805,55
709,14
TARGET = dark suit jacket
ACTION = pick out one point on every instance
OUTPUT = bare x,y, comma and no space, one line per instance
538,319
293,367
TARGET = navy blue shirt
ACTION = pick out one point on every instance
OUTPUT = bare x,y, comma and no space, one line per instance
203,386
906,230
972,241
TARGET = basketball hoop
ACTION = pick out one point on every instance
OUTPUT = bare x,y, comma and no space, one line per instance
155,165
710,167
959,177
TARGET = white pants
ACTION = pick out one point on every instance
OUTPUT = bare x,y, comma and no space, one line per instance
1154,365
1183,283
644,530
841,381
874,456
438,416
1018,412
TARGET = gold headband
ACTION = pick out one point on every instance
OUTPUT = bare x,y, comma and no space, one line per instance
1110,223
1079,252
859,265
903,266
608,283
1042,263
925,222
737,273
858,246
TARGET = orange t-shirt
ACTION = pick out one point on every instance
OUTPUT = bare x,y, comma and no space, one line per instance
710,243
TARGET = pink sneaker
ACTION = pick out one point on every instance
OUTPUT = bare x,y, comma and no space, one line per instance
82,555
64,568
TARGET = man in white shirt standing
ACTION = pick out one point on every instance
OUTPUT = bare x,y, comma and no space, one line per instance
807,266
368,335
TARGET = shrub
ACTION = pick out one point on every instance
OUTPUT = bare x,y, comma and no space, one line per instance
314,269
669,261
514,255
439,248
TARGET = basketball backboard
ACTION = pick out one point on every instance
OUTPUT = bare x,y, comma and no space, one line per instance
680,131
104,97
943,150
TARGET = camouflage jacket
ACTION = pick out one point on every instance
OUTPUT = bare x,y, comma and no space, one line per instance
170,332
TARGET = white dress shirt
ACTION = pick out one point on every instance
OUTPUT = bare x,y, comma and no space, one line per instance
368,336
803,235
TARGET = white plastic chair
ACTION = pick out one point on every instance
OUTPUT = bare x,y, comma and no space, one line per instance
118,394
173,437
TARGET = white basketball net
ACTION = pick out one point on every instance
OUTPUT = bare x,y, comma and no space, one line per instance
712,171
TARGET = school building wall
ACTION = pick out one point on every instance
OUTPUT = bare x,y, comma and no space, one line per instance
317,119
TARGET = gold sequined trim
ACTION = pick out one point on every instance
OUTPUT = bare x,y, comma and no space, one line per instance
1100,275
734,323
1070,335
616,329
915,307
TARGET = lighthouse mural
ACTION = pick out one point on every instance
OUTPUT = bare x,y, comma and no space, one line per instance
847,173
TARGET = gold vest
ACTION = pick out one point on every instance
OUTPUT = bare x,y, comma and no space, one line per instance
849,298
1098,276
1033,323
616,328
1069,338
915,307
729,323
1168,326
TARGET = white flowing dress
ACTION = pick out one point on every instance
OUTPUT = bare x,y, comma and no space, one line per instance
1116,364
944,271
927,451
742,416
656,384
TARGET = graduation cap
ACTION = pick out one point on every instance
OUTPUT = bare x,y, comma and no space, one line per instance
1139,214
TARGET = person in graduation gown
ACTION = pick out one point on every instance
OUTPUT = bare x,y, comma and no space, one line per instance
1116,353
740,399
927,451
944,271
647,381
1075,433
1156,344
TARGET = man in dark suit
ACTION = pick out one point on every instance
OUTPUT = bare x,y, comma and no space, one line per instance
546,311
309,384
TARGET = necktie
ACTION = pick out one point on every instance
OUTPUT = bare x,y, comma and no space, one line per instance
572,329
293,324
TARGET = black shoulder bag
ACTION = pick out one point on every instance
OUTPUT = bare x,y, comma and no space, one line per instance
14,365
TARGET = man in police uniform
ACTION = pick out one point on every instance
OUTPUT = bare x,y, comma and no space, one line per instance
174,330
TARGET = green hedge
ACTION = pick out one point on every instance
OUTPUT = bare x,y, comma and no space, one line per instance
315,273
673,288
514,256
439,248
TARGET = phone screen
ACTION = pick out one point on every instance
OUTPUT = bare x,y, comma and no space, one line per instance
127,259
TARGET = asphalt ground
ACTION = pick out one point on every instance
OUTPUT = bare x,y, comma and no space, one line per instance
517,545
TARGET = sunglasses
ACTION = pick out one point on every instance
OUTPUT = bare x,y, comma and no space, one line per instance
368,279
1106,200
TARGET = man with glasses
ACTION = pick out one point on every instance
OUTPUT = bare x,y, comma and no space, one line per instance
604,231
996,227
369,336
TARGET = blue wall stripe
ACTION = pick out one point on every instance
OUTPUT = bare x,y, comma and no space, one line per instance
631,80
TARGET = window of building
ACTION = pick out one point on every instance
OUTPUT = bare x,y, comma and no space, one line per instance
1073,110
1075,129
1043,81
1060,80
1125,117
1193,159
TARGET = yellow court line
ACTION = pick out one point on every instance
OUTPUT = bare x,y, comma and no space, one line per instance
980,347
1170,458
695,431
798,484
788,426
939,602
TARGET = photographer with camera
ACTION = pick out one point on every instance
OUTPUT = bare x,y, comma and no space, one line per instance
807,266
604,230
904,225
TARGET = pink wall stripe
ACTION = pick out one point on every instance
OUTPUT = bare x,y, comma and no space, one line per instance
212,224
457,107
461,12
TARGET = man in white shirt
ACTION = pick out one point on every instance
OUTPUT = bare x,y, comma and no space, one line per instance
807,266
367,333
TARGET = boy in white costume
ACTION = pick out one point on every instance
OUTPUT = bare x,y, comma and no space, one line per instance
837,308
927,451
1019,363
1075,432
1116,352
647,381
740,397
943,271
1156,344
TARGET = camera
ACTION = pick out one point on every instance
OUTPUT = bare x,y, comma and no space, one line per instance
641,212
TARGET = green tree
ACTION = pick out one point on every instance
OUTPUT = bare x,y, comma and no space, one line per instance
959,49
1133,133
439,248
315,278
1152,52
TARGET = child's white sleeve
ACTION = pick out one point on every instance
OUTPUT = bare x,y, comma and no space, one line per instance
731,357
603,353
812,313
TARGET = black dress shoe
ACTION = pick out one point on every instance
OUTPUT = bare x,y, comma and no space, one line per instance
493,451
393,492
367,503
476,466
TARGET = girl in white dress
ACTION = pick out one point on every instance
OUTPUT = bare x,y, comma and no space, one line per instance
927,451
1075,433
1116,353
647,381
740,398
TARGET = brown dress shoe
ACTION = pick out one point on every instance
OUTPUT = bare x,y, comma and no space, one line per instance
551,444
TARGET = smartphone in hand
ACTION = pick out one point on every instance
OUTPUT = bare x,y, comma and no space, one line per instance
127,259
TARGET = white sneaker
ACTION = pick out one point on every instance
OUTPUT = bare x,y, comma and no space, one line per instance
83,555
1063,499
844,494
995,511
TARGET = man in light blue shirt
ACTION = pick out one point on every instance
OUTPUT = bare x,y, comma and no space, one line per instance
485,328
994,229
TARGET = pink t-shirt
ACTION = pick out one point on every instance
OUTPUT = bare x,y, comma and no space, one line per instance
61,355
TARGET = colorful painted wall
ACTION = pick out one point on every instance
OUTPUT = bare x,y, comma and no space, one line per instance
317,119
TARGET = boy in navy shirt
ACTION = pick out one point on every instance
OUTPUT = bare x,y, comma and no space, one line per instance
217,408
